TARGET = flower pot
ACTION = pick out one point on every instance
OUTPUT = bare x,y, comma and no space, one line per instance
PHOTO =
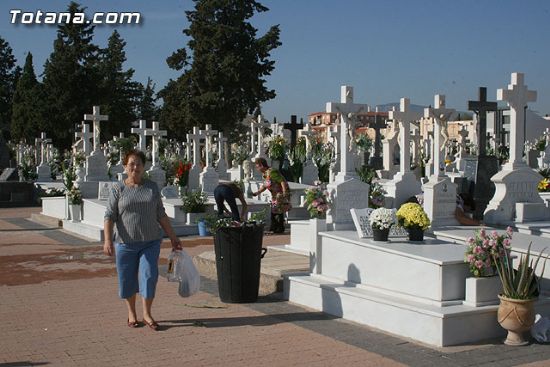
380,234
416,234
74,212
517,316
203,231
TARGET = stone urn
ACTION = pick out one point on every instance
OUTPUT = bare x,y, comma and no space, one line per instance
517,316
75,211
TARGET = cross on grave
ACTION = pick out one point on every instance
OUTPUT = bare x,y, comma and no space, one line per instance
195,137
308,134
463,133
96,119
517,96
375,160
207,134
293,126
405,116
346,108
440,115
260,125
43,145
221,164
156,133
85,136
481,107
253,133
141,132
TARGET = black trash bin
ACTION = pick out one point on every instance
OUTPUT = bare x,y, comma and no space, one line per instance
238,258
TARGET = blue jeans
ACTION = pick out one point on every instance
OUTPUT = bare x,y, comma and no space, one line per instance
137,268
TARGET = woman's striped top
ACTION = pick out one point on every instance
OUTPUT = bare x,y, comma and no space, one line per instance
135,212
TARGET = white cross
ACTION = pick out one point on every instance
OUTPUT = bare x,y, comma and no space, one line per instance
85,136
308,134
96,119
142,144
260,125
346,108
156,133
43,145
207,133
517,96
253,133
440,115
195,138
405,116
221,164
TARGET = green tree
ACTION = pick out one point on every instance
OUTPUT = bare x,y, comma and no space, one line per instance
27,120
71,79
119,94
9,73
146,108
224,76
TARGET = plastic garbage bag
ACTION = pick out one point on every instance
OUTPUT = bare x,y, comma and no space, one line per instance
181,269
541,329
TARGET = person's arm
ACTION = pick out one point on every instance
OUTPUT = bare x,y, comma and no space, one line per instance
108,248
260,190
167,227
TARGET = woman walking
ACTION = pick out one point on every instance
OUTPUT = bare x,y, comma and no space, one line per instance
136,214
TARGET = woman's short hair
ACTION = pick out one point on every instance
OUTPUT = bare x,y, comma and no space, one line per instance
262,162
136,153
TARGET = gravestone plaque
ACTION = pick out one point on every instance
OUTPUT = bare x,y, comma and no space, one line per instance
105,190
470,169
364,229
169,192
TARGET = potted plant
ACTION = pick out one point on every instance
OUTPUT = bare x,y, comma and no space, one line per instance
194,205
484,249
412,217
381,220
520,290
181,177
74,197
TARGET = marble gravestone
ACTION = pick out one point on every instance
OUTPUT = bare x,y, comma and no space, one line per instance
347,191
486,166
193,181
516,196
43,170
208,178
96,163
156,173
439,191
310,173
404,183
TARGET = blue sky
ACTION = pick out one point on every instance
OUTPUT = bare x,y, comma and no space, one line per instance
385,49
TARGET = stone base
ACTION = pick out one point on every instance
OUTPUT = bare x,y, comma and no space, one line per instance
345,195
440,201
44,173
402,187
483,291
209,180
529,212
157,175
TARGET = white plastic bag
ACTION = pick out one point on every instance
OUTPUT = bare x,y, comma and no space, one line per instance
541,329
181,269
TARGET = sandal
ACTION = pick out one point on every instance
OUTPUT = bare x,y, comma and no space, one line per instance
132,324
153,325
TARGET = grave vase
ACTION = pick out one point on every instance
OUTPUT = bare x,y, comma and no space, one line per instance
380,234
74,211
416,234
517,316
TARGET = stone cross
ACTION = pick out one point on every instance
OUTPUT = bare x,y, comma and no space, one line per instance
481,107
260,125
405,116
376,160
346,108
85,136
141,132
43,146
96,119
517,96
253,133
334,136
293,127
441,115
156,133
221,164
195,137
207,134
463,133
308,134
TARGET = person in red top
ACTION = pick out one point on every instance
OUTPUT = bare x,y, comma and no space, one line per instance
280,194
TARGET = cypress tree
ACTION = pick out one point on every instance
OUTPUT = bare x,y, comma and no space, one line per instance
224,74
9,73
146,108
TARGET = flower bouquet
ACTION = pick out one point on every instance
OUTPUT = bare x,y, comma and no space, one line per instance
75,196
181,178
317,202
381,220
413,217
484,250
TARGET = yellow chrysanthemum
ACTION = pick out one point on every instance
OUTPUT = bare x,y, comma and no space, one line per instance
413,215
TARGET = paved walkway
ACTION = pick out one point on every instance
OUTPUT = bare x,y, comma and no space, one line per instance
59,307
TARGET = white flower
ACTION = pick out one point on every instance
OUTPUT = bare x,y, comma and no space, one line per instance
382,218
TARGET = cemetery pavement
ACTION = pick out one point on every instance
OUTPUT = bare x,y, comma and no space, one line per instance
59,307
